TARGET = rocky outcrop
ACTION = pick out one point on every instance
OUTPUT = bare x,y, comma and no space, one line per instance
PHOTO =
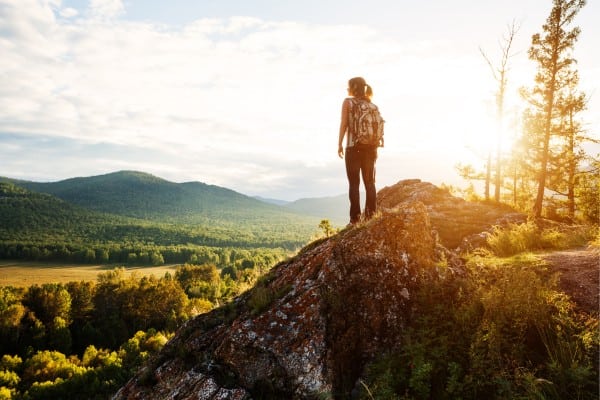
309,327
459,223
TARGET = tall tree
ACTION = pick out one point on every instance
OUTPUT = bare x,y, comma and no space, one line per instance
552,51
500,74
566,166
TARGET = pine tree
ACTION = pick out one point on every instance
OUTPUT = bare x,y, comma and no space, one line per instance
552,51
565,166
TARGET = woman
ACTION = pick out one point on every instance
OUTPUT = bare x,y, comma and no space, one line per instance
360,158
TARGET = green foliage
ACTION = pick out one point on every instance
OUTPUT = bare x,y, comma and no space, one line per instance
6,393
50,375
11,309
150,197
588,194
326,228
115,324
48,301
262,297
502,332
9,379
49,366
135,210
40,227
10,363
137,349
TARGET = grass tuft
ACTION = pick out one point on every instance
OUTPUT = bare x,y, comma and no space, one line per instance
518,238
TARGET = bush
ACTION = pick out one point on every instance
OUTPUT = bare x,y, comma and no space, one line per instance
6,393
502,332
518,238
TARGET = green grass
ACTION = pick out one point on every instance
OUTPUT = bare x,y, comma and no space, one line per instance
518,238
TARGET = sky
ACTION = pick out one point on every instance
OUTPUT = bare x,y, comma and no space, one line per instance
247,94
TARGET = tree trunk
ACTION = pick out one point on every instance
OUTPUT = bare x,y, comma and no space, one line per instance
500,116
572,166
488,175
541,178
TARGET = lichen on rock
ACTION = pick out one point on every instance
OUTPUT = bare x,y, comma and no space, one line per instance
323,315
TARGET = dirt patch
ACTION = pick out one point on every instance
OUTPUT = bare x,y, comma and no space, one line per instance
579,276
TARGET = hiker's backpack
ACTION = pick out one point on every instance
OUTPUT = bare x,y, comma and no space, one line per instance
365,122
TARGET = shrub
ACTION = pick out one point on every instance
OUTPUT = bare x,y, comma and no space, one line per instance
502,332
518,238
514,239
262,297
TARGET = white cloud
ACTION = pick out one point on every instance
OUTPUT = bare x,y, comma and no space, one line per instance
106,8
68,12
240,102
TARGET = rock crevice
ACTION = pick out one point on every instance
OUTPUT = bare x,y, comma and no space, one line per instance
309,327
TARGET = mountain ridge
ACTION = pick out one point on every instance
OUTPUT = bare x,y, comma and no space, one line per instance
139,194
128,205
121,193
335,207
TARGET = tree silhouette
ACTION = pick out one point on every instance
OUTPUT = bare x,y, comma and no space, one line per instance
552,51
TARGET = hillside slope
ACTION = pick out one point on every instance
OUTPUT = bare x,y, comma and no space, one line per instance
141,195
457,222
384,294
37,220
310,327
135,206
22,210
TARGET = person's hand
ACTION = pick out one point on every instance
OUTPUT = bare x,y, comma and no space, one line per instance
341,151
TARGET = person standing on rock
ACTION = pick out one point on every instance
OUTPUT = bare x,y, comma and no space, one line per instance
362,126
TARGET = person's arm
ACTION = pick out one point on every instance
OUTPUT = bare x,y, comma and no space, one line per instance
343,127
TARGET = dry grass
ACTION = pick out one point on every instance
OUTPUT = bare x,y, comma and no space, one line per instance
25,274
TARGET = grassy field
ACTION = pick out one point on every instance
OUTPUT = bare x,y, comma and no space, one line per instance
25,274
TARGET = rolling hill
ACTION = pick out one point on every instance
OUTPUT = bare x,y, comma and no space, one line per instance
129,206
21,209
141,195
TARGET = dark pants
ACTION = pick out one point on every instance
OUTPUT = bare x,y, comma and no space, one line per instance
360,160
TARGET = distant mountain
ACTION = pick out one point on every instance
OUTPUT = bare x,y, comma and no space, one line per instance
141,195
335,208
271,201
31,219
134,206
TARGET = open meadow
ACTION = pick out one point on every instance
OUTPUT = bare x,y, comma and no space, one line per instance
25,274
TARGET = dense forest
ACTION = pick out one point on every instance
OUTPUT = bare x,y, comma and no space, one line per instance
41,227
85,339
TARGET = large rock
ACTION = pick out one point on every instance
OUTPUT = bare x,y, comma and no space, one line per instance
459,223
310,326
